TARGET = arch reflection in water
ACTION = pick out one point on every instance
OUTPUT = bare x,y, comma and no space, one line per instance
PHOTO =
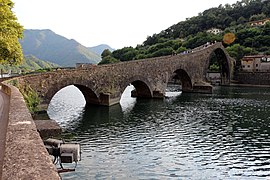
173,90
68,107
127,102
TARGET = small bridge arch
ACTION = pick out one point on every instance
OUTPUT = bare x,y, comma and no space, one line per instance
143,87
185,79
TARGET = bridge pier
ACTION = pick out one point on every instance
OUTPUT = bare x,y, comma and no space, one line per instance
41,114
203,88
156,94
107,100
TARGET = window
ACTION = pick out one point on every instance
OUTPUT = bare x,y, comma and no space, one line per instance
248,66
256,65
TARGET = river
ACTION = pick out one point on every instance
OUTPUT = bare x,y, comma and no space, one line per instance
224,135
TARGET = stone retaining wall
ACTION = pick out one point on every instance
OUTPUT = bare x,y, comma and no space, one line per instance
256,78
25,155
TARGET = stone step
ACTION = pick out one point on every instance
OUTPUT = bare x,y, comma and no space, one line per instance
48,128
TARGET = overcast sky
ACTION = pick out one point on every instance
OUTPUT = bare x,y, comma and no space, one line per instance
118,23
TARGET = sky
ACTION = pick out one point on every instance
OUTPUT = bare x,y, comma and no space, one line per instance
118,23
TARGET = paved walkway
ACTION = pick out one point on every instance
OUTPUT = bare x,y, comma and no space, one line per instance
4,109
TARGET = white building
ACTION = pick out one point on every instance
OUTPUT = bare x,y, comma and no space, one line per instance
256,63
259,22
214,31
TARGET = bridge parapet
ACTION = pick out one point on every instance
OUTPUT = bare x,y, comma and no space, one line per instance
25,156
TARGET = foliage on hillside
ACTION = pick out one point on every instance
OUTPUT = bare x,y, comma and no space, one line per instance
193,32
219,17
29,63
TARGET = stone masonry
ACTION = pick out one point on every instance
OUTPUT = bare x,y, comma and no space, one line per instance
104,84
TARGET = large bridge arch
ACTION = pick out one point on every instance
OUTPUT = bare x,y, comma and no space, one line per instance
224,62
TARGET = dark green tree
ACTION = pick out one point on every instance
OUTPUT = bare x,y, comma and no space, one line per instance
238,52
256,17
105,53
125,54
107,58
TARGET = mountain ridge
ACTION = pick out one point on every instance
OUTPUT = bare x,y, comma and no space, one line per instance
100,48
46,44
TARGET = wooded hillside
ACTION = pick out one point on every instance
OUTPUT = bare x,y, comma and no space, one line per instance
193,32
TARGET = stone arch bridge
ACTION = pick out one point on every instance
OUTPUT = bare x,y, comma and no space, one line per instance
104,84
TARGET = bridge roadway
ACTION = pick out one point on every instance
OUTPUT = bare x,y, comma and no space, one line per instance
4,109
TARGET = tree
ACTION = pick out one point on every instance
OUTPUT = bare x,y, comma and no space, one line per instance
105,53
10,32
241,20
238,52
163,52
125,54
266,8
108,60
257,17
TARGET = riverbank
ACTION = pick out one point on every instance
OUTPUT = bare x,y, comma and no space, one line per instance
253,78
246,85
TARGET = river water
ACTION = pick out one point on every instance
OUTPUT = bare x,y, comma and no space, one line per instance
224,135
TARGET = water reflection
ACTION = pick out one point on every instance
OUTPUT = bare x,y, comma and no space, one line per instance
66,106
127,102
224,135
